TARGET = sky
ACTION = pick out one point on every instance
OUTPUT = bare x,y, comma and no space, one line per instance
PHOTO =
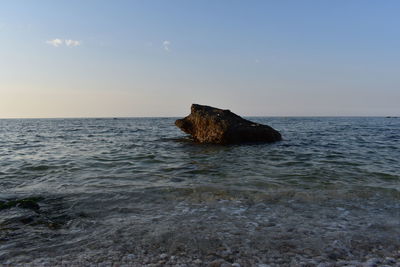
150,58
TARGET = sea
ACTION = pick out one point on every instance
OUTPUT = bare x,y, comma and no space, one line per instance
114,189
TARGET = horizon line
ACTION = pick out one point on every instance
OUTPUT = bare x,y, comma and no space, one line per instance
259,116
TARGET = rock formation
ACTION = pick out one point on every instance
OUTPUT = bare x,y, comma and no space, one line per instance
217,126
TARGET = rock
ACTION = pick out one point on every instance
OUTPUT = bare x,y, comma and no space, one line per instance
389,260
25,203
130,256
217,126
372,262
217,263
163,256
334,256
198,261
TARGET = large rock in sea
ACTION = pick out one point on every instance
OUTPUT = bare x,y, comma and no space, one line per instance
218,126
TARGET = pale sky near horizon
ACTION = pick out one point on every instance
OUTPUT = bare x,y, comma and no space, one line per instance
154,58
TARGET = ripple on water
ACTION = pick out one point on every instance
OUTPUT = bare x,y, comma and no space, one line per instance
107,182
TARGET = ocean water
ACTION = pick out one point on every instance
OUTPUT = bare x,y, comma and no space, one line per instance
108,188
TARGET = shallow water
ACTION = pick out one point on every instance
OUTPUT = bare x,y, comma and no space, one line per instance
118,186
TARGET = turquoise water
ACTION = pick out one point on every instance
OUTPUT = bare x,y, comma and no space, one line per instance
122,185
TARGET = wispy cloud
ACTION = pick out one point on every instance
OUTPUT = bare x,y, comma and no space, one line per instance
55,42
166,44
72,43
59,42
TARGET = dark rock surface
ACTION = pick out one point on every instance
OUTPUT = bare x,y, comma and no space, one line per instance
25,203
217,126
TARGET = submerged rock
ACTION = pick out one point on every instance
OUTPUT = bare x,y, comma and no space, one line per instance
25,203
218,126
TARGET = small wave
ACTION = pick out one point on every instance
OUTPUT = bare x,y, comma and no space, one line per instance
39,168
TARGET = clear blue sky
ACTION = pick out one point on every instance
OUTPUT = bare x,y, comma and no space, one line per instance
155,58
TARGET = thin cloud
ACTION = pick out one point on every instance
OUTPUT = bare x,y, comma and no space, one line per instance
60,42
166,44
72,43
55,42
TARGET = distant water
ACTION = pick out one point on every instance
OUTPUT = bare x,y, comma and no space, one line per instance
126,185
